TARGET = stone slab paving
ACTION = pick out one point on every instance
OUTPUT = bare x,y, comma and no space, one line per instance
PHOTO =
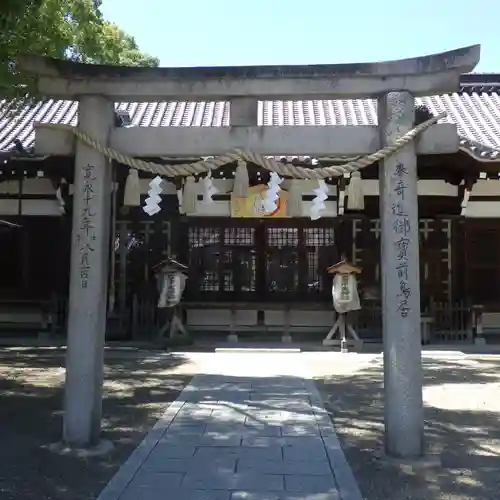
250,427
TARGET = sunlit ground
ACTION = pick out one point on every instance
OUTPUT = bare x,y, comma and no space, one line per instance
462,413
462,399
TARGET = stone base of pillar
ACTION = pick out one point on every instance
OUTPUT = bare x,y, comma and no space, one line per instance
479,341
410,465
357,346
104,447
232,337
344,348
286,338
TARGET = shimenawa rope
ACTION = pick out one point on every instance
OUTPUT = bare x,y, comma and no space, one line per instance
270,164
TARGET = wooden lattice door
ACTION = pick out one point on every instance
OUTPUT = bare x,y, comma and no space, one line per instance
483,262
259,260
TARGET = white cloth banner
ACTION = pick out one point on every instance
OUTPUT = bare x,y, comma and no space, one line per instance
345,293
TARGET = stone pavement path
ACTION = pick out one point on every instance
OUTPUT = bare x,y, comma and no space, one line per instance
250,427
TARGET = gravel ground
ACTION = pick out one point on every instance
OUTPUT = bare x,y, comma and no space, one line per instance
462,412
137,387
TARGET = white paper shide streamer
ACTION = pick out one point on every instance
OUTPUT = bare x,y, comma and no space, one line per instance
272,193
208,189
60,197
318,203
152,204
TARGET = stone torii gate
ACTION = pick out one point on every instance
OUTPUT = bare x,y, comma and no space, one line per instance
394,84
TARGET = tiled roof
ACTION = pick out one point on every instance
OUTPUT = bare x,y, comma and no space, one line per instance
475,111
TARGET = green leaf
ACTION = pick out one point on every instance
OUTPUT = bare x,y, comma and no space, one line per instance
65,29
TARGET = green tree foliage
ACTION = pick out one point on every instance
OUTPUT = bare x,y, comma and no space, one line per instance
65,29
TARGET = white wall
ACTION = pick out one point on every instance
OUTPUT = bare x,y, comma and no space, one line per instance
40,186
43,186
30,207
483,209
33,187
476,208
425,188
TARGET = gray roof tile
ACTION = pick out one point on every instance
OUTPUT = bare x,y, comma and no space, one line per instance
476,114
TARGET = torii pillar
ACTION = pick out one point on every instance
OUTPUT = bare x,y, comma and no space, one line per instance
90,254
393,83
403,377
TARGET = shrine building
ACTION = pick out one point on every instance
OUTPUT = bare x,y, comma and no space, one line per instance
250,272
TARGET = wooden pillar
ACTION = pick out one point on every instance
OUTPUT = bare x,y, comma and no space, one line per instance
122,275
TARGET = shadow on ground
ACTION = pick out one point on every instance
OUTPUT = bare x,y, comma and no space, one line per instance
462,414
137,388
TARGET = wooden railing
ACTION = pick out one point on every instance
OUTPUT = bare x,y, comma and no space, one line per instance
449,322
484,324
145,317
368,321
452,322
58,315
